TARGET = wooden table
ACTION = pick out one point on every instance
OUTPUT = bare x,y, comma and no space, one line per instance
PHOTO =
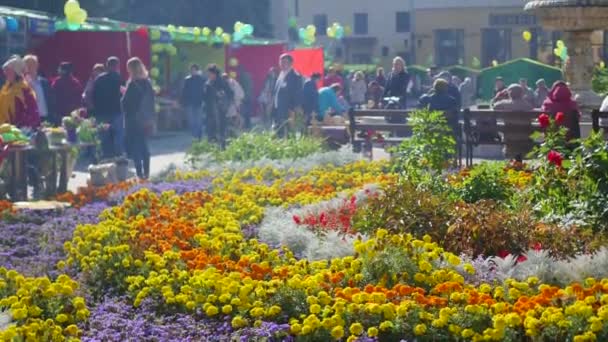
17,183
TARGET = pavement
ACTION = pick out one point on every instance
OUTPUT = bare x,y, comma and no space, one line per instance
166,148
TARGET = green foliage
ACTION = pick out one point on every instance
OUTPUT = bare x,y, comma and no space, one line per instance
485,227
576,192
485,181
428,150
257,146
599,83
405,208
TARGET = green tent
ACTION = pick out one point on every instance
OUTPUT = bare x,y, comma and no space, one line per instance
512,71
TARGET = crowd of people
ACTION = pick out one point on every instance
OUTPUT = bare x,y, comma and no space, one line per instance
30,101
218,106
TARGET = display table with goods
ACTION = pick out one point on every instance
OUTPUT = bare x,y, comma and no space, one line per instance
15,145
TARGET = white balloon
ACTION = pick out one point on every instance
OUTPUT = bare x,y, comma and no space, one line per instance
2,24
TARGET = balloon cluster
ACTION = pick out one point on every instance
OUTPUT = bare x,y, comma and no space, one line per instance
561,50
9,24
74,15
242,31
308,35
169,49
476,63
336,31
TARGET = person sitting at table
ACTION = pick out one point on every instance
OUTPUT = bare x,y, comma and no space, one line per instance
328,101
18,104
516,100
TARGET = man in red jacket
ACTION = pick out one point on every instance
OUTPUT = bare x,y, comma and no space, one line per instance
67,90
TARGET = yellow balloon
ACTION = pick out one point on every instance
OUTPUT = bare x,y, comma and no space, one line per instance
171,28
311,29
219,31
182,29
81,16
196,31
226,37
602,65
560,43
71,6
494,63
527,35
206,31
238,26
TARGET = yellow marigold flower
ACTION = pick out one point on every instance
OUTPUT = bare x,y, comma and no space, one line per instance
315,309
351,338
356,329
386,325
419,277
19,314
212,310
337,332
61,318
372,332
239,322
72,329
469,268
420,329
306,329
467,333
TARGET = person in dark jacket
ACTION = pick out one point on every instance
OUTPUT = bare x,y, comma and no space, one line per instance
310,97
217,97
452,88
192,100
138,107
42,89
107,93
397,82
287,94
439,99
67,90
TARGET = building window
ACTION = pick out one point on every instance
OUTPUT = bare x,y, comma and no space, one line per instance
362,58
385,51
512,20
320,21
360,23
449,47
339,52
495,45
403,22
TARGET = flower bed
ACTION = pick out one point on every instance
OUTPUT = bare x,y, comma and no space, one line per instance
317,252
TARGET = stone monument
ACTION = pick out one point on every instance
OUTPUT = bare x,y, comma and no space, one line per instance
577,19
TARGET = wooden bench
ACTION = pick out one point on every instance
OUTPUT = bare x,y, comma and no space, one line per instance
516,128
596,115
399,131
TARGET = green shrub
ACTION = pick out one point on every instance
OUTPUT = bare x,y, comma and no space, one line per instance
256,146
484,181
429,149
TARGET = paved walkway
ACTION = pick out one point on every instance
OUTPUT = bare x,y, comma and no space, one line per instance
166,149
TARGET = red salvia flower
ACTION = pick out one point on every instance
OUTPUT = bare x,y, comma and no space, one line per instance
555,158
544,120
560,118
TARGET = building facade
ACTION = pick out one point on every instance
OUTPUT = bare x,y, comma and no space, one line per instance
380,29
426,32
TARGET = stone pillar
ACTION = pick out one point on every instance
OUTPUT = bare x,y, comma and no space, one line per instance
579,70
